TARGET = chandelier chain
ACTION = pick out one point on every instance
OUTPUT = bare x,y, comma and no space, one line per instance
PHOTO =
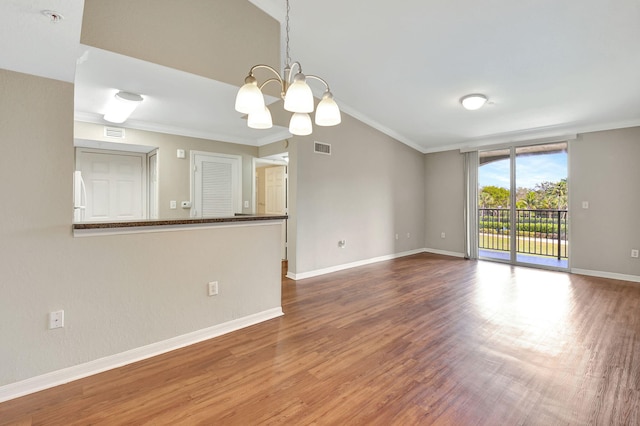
287,38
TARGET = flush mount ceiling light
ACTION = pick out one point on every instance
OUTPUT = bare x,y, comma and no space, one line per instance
121,107
296,93
473,102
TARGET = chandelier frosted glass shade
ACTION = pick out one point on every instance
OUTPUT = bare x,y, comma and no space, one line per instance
327,112
249,98
300,124
299,97
260,120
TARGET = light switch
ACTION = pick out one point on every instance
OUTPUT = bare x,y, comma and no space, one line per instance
181,154
585,204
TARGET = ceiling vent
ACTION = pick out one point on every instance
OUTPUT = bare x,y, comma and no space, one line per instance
114,132
322,148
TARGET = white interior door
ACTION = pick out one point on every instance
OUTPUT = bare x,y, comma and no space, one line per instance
217,184
115,184
275,190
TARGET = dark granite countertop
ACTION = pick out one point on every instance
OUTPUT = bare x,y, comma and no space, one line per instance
173,222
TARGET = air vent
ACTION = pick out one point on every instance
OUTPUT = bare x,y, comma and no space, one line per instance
322,148
114,132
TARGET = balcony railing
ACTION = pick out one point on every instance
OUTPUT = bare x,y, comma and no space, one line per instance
539,232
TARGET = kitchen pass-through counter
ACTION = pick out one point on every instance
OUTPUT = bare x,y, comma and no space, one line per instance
161,225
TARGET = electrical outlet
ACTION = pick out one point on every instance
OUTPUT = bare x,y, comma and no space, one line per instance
442,235
634,253
342,243
173,204
213,288
408,234
396,236
246,204
56,319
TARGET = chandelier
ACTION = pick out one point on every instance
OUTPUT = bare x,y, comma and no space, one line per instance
296,93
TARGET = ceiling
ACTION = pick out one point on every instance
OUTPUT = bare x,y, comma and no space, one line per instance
549,68
186,106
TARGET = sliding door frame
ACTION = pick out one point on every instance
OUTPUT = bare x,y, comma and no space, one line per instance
513,240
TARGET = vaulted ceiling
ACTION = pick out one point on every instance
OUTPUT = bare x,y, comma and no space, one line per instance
548,67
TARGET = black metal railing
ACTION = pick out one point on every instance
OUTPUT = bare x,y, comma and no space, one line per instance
539,232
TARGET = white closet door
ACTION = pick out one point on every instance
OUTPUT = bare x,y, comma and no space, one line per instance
114,184
216,180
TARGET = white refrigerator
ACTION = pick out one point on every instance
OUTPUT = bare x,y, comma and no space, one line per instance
79,197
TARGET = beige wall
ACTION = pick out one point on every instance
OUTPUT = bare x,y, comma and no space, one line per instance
174,173
603,170
280,147
218,39
119,292
444,201
369,189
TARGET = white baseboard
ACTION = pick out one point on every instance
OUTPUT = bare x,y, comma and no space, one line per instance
444,252
66,375
337,268
601,274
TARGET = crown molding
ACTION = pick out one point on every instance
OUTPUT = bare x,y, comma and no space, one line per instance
278,134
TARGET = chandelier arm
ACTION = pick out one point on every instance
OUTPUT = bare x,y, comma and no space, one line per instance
274,80
271,80
270,68
315,77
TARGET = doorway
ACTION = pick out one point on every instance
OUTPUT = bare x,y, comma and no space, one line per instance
216,184
271,191
523,205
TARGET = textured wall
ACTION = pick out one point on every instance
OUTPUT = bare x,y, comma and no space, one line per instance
445,201
368,190
119,292
219,39
603,170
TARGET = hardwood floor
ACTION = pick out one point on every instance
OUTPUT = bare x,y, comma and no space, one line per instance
424,339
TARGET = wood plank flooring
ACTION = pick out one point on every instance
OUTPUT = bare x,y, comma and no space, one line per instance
424,339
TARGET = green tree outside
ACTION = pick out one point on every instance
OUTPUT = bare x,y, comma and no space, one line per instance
545,195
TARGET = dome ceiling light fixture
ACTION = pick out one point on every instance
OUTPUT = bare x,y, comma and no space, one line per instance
474,101
121,106
296,93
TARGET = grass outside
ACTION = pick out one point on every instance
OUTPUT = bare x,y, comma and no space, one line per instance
531,245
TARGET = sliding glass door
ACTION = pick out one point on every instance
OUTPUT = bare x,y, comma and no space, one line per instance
494,205
522,205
